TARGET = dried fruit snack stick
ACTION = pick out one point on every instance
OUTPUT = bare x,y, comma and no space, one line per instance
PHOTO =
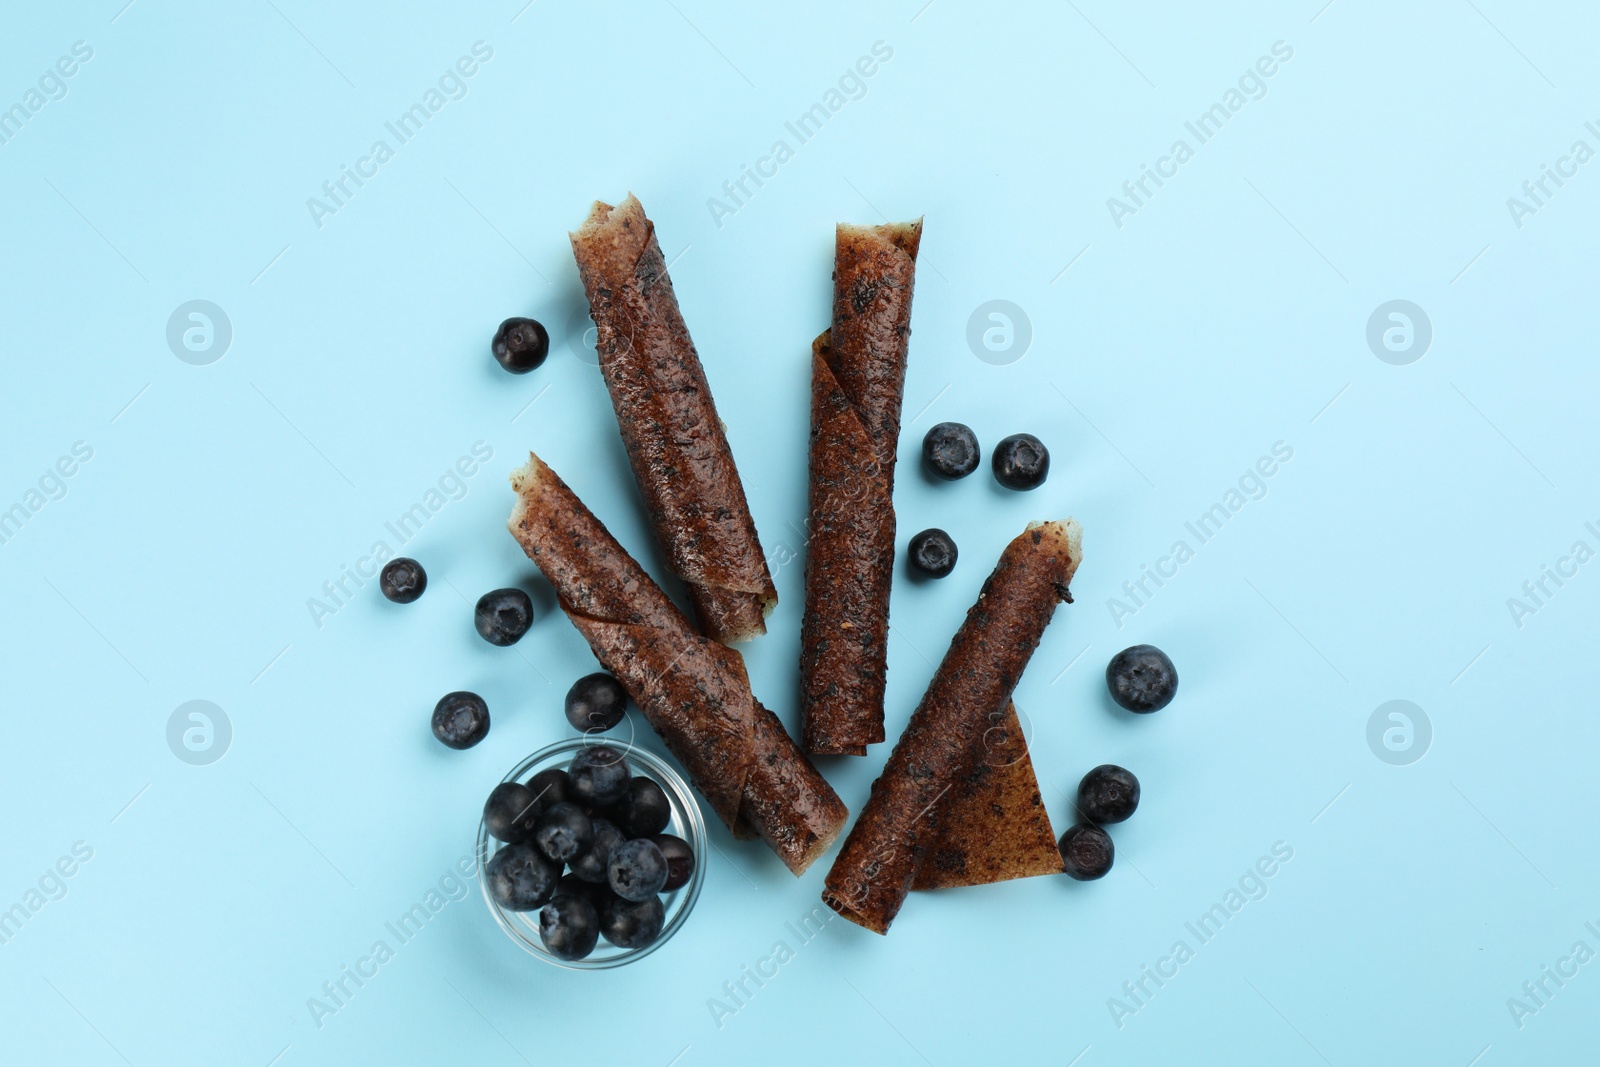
910,810
694,691
858,373
674,439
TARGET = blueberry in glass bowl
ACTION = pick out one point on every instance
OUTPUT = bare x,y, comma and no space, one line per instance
562,930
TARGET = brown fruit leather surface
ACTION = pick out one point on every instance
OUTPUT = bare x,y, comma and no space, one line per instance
993,826
675,442
858,372
910,808
693,690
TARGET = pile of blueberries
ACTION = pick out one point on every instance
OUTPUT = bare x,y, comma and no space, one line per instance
1141,679
950,451
603,825
502,616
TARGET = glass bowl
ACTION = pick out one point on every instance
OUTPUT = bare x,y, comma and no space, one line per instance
687,823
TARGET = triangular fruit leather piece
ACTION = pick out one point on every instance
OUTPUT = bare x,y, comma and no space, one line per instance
993,826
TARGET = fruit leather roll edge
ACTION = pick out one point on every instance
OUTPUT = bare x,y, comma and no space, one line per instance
693,690
941,745
675,441
858,373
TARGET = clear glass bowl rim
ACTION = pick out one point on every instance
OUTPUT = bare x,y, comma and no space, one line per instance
683,802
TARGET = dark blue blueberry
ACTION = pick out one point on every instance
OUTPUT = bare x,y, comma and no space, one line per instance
1086,851
1142,678
460,719
550,786
1108,794
563,831
638,870
402,580
630,923
680,860
569,926
1021,462
596,702
511,812
520,345
644,809
933,553
520,879
950,451
599,775
593,863
503,616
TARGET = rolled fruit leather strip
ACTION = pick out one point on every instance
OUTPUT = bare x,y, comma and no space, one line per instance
910,809
858,372
694,691
675,442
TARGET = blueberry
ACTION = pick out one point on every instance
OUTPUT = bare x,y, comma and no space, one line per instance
1086,851
502,616
511,812
550,786
1142,678
932,553
520,879
569,926
592,863
460,719
950,451
644,810
638,870
1108,794
1021,462
563,831
599,775
680,860
632,924
520,345
402,580
596,702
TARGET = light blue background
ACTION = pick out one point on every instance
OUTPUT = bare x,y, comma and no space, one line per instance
1227,314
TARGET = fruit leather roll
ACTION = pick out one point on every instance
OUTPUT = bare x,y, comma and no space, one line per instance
674,439
920,795
858,374
693,690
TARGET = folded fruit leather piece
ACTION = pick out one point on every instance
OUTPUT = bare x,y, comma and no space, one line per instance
992,826
674,439
858,373
693,690
942,813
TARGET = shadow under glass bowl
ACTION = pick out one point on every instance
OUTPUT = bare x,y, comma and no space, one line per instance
687,823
